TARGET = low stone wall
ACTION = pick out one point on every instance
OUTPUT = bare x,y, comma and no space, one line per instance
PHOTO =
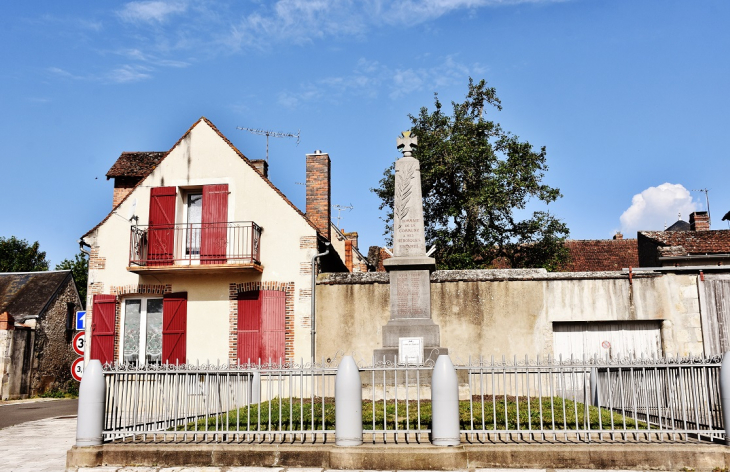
509,312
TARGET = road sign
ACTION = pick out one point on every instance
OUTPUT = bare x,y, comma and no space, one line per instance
79,343
77,369
80,320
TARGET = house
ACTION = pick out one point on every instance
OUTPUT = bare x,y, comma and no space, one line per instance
36,328
203,259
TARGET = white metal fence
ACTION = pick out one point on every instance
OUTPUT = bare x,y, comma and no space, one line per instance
666,400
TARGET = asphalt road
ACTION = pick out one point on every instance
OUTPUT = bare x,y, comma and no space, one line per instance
22,412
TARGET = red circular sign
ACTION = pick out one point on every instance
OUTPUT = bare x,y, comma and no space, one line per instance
77,369
606,345
79,343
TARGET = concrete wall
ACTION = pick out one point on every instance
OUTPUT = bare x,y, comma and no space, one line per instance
509,312
287,243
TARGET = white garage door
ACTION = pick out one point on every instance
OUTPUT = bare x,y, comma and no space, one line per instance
607,339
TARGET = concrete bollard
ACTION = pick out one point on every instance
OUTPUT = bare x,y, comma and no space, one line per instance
725,394
444,404
90,420
348,404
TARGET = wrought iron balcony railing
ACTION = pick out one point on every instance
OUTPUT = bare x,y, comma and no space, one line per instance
191,244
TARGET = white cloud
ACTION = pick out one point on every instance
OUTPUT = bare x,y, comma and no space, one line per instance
302,21
657,206
150,11
368,78
129,73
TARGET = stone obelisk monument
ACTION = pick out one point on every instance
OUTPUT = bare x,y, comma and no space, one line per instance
410,334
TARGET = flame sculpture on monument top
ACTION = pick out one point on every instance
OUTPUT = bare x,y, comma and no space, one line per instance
410,332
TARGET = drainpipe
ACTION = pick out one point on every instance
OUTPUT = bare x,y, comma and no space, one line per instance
83,243
314,281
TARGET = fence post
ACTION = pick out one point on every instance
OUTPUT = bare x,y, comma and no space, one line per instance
90,420
348,404
594,387
725,394
444,404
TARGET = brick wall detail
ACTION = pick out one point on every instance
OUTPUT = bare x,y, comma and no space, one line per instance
308,242
234,289
96,262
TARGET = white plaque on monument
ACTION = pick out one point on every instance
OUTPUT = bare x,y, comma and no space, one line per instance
410,350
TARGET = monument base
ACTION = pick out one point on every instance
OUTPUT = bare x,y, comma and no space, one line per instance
391,353
411,328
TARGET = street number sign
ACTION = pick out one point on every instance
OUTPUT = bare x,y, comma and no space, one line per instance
77,369
79,343
80,320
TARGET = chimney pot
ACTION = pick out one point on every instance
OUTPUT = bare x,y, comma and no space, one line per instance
262,166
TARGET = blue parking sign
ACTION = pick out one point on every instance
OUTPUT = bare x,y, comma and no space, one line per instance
80,320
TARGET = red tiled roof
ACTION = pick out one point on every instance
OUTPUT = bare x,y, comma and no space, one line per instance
135,164
601,255
694,242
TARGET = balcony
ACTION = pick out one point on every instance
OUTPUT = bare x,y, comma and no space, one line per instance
195,248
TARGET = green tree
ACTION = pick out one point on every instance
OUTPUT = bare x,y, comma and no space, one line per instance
475,179
79,267
17,255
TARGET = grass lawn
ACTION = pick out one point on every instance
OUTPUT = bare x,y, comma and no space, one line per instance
297,415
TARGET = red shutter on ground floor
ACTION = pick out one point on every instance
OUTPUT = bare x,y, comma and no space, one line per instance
103,316
249,326
174,326
273,328
214,230
261,326
162,225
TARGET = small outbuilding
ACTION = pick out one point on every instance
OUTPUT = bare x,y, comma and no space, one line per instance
37,310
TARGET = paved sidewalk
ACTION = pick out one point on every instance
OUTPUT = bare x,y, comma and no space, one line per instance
37,446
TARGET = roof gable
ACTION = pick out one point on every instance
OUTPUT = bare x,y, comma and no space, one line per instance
177,143
26,294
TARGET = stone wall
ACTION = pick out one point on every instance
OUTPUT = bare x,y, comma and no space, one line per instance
54,353
509,312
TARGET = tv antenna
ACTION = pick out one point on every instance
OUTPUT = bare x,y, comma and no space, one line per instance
267,133
339,209
707,199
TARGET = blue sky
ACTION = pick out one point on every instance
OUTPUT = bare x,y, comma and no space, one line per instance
630,98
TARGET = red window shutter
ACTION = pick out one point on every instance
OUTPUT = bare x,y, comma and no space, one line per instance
162,225
249,327
174,327
213,240
273,328
102,328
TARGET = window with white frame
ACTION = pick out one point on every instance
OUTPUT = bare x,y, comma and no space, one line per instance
142,330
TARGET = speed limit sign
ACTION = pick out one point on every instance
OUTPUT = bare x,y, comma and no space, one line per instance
77,369
79,343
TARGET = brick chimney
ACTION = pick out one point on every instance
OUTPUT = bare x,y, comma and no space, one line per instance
262,166
699,221
318,191
618,235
